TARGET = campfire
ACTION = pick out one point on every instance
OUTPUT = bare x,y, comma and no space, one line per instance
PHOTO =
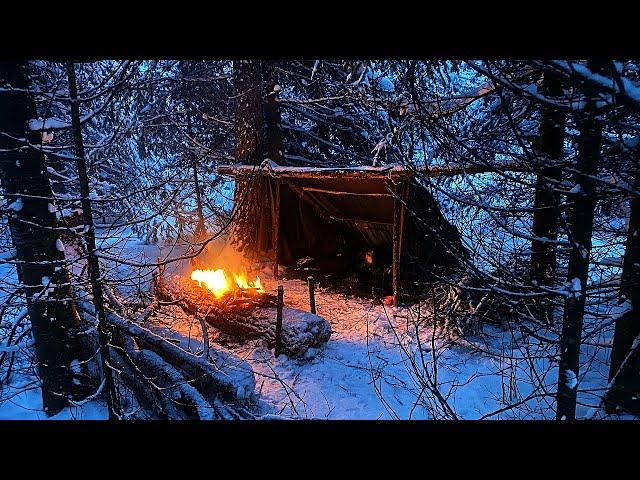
237,304
220,283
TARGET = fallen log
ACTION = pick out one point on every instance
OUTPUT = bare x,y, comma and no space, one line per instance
247,318
160,389
174,386
150,408
227,376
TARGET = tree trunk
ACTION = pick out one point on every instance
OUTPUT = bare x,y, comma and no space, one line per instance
104,334
274,148
625,381
201,231
583,202
545,218
248,82
39,250
321,128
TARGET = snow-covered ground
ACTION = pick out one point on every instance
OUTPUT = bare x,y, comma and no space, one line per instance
361,373
371,368
27,405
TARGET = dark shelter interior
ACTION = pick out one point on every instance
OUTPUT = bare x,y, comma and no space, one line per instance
373,229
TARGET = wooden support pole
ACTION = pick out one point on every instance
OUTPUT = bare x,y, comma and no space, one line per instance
403,215
397,205
275,224
312,294
278,347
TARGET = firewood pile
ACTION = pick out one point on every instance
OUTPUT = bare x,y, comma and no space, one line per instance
169,381
247,315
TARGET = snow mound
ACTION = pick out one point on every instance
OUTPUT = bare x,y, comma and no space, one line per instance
308,329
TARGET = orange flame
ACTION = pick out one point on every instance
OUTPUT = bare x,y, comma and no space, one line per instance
219,283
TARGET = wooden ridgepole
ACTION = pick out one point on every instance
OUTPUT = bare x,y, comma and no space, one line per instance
312,294
275,225
278,347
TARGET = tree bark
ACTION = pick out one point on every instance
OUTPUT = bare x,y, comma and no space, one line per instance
249,125
39,250
624,370
583,203
274,147
104,333
545,218
201,230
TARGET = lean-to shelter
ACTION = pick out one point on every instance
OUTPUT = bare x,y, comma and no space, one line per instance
290,213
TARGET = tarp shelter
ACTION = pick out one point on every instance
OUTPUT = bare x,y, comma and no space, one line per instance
318,212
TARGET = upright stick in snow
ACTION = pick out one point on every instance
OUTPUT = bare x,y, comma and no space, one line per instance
90,239
583,202
312,294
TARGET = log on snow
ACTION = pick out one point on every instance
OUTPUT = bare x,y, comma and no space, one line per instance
248,319
174,386
300,330
177,397
161,389
147,399
227,376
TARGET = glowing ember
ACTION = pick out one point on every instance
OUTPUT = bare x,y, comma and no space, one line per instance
219,283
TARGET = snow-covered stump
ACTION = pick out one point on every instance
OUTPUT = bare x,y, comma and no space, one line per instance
300,330
253,319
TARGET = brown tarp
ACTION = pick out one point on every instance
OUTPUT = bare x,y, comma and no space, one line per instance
323,214
360,208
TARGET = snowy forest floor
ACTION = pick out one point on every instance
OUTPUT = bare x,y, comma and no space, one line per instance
371,368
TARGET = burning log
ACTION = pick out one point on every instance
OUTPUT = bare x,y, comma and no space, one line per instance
247,315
